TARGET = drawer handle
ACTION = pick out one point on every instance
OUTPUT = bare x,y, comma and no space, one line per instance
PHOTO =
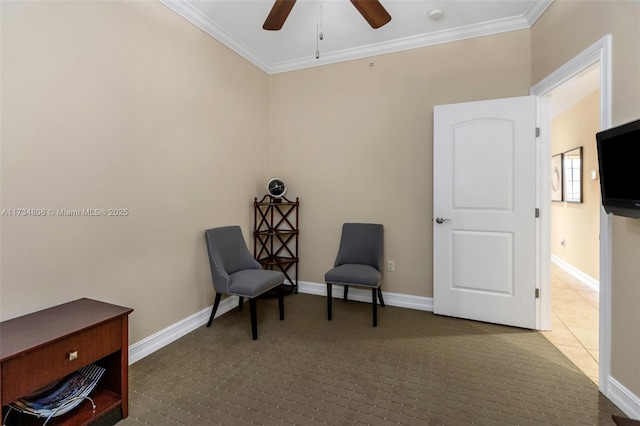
72,355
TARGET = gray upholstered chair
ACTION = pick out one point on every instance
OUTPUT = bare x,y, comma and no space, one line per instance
359,263
236,272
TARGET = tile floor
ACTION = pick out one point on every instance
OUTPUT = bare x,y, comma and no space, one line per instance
575,321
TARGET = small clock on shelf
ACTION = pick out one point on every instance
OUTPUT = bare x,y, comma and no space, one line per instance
276,189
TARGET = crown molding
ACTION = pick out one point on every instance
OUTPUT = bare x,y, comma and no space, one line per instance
197,18
407,43
536,10
191,14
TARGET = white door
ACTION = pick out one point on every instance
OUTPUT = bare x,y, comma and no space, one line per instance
484,211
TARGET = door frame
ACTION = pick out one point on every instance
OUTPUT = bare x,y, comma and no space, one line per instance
599,52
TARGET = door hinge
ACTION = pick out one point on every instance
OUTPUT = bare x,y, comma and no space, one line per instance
537,293
537,212
537,132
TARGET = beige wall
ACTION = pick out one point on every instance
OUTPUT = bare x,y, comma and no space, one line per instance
563,31
126,105
122,105
354,141
578,223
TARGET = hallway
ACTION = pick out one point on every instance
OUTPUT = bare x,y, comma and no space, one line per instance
575,321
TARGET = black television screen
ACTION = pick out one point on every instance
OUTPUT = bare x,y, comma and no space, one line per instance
619,162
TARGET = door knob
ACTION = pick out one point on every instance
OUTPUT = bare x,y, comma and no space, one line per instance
441,220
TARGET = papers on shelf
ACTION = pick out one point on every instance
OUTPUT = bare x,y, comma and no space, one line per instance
64,397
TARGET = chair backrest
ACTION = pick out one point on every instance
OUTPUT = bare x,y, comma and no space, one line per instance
361,243
228,253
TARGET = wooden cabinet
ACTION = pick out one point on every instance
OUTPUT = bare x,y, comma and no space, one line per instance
37,350
275,236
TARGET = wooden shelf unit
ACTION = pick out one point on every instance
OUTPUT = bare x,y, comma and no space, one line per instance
275,236
36,348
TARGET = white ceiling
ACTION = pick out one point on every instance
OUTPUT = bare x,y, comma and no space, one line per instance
238,24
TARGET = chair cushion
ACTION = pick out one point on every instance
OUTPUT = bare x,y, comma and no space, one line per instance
351,274
254,282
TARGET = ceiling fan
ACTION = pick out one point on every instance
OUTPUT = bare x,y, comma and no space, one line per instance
371,10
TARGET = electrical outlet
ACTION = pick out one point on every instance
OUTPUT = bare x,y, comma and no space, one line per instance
391,265
563,240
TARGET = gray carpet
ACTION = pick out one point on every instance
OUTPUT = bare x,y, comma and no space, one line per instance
415,368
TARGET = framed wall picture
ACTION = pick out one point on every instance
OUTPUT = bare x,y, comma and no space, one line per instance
556,178
572,171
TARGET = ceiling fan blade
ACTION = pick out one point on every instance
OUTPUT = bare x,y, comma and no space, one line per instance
375,14
278,14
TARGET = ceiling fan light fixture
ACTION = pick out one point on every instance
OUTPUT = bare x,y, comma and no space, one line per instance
436,15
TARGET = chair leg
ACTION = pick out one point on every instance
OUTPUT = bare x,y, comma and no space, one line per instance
374,296
281,302
240,303
380,296
329,297
346,290
254,319
216,303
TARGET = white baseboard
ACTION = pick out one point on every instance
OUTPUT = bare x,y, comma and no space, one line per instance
626,400
577,273
361,295
149,345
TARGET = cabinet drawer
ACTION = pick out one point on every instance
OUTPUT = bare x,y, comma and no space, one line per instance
37,368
